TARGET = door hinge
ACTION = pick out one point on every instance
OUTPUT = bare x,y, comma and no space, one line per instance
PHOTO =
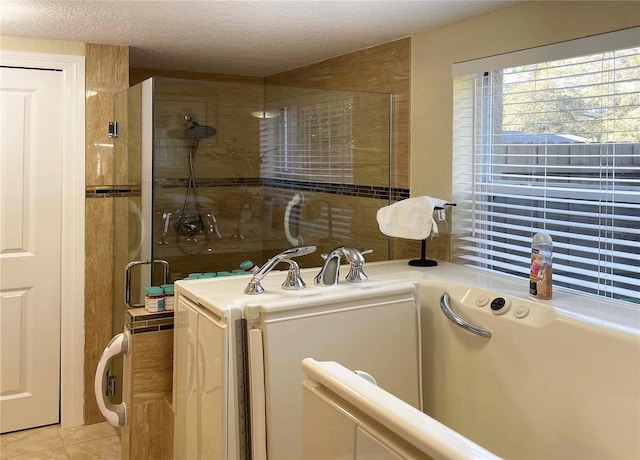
113,129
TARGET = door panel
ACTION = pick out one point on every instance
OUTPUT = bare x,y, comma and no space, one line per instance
30,233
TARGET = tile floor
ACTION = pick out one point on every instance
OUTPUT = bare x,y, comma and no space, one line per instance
95,442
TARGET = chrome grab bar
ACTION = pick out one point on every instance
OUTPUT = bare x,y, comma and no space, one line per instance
463,323
127,278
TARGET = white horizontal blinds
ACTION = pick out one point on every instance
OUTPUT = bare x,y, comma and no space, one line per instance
310,142
553,146
270,145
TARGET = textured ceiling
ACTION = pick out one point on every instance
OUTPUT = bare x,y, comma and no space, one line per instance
236,37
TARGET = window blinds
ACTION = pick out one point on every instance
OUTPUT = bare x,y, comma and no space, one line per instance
552,146
310,142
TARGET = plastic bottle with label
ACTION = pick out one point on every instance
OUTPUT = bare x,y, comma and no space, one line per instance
154,299
540,275
169,294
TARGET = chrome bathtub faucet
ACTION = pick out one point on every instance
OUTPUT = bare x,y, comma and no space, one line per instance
293,281
330,271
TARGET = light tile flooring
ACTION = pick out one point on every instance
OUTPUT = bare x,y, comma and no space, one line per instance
95,442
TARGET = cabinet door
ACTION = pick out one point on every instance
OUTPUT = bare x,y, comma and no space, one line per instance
185,379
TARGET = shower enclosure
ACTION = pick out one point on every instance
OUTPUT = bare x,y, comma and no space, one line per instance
213,173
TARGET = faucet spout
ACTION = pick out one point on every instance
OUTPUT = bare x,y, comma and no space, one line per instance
330,271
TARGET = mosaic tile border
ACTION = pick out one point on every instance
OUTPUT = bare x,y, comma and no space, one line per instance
362,191
138,321
111,191
208,182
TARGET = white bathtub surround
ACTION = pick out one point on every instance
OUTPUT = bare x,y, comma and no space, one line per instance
557,379
367,325
593,309
560,382
346,416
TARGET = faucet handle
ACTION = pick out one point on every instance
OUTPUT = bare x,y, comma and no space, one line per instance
356,274
356,262
294,280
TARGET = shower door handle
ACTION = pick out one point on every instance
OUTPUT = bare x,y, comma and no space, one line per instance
298,199
463,323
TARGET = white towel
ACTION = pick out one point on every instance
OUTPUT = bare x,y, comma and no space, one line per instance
411,218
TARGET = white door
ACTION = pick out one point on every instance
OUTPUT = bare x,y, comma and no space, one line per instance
30,234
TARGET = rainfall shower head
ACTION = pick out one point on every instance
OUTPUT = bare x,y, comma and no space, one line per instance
198,131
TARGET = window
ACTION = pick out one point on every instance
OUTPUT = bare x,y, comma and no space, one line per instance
552,145
310,142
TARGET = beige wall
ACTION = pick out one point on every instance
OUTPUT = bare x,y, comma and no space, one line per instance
522,26
36,45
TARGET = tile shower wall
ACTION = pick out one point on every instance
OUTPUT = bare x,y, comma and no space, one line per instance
226,168
107,72
336,160
384,68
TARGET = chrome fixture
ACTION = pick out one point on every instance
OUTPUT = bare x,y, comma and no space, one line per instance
213,225
293,281
463,323
192,223
127,278
166,218
330,271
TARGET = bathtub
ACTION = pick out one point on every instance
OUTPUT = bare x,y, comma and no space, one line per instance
557,379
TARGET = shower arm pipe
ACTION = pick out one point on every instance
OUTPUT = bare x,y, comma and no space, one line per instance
192,179
463,323
190,185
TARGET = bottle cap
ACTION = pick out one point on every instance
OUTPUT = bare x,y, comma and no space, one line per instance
542,238
224,274
154,291
247,265
208,275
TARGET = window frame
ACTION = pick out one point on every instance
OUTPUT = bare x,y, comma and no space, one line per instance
591,45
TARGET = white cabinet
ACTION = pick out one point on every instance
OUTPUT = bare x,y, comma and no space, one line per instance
199,399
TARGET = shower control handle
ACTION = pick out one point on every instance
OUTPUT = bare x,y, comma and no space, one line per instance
166,217
213,225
